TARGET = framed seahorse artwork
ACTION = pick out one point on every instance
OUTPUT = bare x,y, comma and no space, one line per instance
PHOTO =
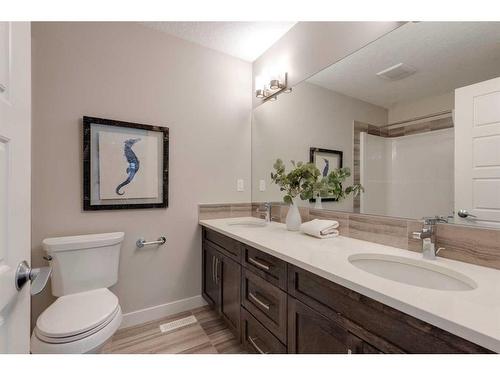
125,165
325,160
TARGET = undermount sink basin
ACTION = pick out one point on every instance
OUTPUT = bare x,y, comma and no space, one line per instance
412,271
249,223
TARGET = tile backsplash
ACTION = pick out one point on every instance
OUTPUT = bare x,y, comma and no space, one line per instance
224,210
479,246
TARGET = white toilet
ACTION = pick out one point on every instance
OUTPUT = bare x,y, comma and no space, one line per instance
86,314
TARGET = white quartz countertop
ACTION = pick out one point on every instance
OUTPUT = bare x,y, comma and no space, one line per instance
472,314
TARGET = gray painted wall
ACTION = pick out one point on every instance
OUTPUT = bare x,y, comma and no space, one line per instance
128,72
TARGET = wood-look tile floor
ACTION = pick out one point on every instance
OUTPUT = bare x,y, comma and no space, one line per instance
209,335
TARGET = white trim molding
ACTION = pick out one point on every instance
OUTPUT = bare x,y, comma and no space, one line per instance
160,311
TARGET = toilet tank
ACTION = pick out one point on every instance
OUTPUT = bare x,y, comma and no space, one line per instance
81,263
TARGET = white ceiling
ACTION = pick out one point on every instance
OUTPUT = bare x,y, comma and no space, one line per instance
245,40
447,55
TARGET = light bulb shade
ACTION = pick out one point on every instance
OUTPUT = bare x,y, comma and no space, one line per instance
260,93
274,84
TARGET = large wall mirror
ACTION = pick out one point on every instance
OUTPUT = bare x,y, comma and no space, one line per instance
389,113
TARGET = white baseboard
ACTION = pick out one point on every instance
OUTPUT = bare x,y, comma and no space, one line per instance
157,312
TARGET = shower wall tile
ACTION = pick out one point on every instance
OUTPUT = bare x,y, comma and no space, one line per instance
417,128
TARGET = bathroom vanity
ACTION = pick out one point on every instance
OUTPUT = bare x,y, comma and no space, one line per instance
285,292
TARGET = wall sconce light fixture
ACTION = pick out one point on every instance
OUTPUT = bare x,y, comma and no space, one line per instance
271,90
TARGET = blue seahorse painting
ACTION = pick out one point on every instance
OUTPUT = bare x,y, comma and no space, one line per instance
133,163
326,168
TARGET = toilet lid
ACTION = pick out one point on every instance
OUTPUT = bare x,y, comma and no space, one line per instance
74,314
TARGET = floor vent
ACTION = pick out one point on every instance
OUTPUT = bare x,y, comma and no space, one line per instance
175,324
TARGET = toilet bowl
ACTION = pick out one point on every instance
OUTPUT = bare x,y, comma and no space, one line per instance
77,323
86,314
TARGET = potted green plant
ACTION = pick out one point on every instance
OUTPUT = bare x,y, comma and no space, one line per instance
304,181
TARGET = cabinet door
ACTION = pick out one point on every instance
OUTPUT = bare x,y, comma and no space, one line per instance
210,286
312,333
228,275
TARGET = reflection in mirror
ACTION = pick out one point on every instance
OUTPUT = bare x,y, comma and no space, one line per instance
389,111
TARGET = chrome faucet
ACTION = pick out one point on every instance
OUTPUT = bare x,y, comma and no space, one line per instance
428,237
266,212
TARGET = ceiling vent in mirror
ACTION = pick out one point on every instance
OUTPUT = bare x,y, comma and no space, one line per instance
398,71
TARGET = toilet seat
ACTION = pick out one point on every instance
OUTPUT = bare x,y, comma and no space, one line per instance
77,323
65,339
75,314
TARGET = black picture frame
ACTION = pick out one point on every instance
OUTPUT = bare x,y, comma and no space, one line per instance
312,159
88,121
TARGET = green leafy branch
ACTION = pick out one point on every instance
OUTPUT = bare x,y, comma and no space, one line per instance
305,181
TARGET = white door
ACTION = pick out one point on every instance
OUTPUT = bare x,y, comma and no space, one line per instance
15,171
477,151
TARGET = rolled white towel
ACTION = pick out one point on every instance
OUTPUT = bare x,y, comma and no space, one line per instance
321,228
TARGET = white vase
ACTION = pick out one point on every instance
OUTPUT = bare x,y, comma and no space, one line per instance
293,219
318,205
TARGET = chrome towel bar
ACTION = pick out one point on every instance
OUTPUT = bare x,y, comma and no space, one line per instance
141,242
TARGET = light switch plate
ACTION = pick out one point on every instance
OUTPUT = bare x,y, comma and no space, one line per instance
262,185
240,185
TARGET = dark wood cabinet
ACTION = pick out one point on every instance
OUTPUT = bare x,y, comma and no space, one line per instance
276,307
388,329
221,285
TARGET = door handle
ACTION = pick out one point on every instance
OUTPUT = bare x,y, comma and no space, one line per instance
464,214
38,277
217,260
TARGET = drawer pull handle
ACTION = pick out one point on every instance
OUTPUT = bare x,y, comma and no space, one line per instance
256,347
259,302
259,264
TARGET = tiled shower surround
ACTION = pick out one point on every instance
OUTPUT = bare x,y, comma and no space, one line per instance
479,246
400,130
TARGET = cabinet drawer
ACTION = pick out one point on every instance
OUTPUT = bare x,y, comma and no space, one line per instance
266,266
256,338
265,302
226,245
366,317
